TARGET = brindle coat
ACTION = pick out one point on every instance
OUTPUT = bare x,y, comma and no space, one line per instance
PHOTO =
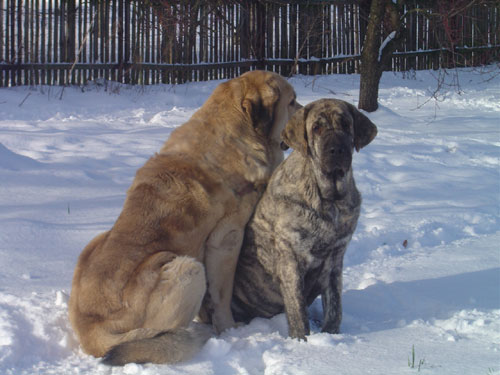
295,243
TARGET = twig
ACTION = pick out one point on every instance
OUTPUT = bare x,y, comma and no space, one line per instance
26,97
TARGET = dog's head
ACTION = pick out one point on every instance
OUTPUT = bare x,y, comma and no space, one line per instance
328,131
265,99
269,101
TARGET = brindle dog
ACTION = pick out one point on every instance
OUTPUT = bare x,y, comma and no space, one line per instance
295,243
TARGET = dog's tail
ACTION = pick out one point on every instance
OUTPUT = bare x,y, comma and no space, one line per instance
168,347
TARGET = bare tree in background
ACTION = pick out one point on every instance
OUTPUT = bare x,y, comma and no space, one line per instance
376,55
386,29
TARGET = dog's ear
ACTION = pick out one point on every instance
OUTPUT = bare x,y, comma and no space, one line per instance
295,135
259,104
364,130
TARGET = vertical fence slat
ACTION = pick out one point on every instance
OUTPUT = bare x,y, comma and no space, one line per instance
156,44
268,21
142,41
36,40
126,38
193,21
8,33
113,31
226,38
201,43
106,28
229,39
2,34
42,57
3,12
102,38
32,44
152,46
27,41
91,32
237,44
352,36
212,45
50,48
244,33
284,70
19,55
187,41
57,32
294,36
234,39
334,48
120,51
87,32
61,11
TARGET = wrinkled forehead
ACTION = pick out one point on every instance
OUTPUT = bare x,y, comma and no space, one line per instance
329,111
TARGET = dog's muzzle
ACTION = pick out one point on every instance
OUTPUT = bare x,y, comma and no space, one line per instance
337,158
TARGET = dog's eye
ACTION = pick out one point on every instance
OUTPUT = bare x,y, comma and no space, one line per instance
345,124
316,128
292,103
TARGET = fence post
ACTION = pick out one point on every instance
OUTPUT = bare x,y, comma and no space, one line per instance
244,33
304,30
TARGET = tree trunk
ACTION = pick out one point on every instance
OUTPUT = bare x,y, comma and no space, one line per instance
368,87
373,58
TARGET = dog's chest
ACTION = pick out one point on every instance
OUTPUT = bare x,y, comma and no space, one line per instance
324,239
324,233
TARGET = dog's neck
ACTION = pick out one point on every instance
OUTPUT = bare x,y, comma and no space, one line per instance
334,188
315,187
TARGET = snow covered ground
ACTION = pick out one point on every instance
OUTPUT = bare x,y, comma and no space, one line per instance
422,273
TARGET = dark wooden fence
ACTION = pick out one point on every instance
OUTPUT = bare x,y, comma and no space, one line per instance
61,42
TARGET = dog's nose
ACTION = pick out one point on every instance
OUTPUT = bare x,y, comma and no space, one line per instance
284,146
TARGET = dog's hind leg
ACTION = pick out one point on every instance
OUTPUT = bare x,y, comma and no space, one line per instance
164,293
177,297
170,308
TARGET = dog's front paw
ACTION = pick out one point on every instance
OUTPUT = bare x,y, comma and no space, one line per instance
298,325
299,334
332,328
